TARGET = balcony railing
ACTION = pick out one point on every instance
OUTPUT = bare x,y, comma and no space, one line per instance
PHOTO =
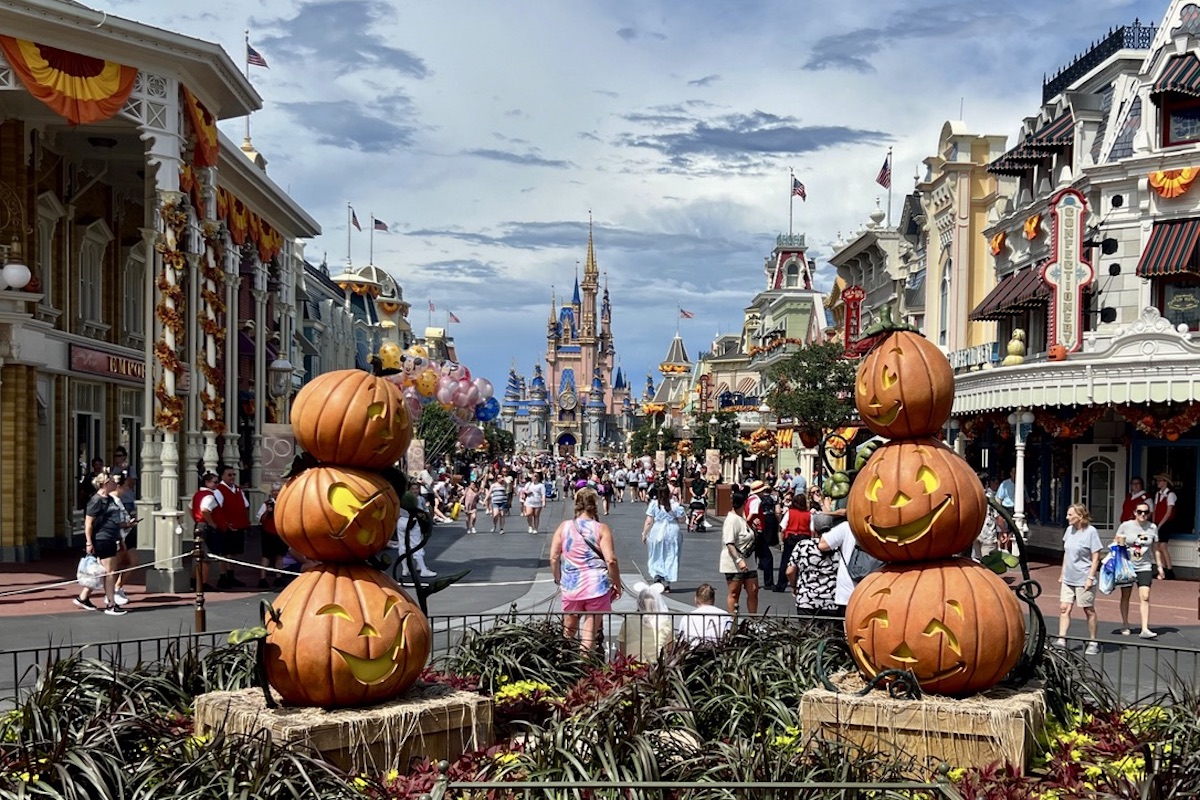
1126,37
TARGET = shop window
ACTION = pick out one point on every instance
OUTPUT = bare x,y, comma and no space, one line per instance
88,410
94,240
1179,300
130,406
50,211
1180,121
792,275
944,306
133,309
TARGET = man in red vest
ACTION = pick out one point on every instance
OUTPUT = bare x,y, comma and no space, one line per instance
235,514
206,513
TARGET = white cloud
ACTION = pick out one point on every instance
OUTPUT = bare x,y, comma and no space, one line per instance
485,132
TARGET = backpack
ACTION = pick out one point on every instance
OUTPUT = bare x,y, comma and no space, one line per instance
770,521
861,564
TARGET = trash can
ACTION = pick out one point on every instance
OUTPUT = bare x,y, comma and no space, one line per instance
724,503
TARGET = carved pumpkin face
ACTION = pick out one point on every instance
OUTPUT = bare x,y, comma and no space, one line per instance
954,624
353,418
348,635
914,501
337,513
905,387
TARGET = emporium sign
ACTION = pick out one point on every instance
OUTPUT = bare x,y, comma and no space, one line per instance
111,365
1067,273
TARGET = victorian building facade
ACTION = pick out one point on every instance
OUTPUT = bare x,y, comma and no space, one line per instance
581,404
162,310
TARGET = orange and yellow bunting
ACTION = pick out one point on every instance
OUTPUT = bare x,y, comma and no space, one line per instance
997,242
80,88
204,127
1172,183
244,225
1033,227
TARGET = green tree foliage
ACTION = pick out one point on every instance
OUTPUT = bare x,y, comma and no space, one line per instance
814,386
438,430
499,441
724,435
651,437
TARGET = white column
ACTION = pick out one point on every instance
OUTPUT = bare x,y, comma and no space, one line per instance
1022,423
261,395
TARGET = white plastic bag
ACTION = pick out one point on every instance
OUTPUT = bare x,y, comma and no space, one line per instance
90,573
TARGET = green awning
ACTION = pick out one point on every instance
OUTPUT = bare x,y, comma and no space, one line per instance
1171,250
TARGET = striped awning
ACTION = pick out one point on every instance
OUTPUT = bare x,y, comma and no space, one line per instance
1058,133
1012,295
1181,75
1171,250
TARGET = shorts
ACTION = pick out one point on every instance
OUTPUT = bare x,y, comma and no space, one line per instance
273,545
1077,595
1144,577
224,543
601,603
1165,536
105,548
750,574
131,539
499,506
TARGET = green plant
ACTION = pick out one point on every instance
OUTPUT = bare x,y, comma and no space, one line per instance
814,386
512,651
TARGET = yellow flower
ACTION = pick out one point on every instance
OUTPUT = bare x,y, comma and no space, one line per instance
392,774
957,774
505,758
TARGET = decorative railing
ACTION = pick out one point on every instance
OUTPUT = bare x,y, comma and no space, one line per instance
1126,37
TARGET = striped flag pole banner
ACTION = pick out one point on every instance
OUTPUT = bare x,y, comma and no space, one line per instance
686,314
797,190
884,179
454,318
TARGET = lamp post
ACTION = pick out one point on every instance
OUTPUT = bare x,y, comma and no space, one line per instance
1022,424
953,427
279,382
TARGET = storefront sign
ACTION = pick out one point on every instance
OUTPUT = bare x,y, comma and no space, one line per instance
1067,273
974,356
278,452
853,297
98,362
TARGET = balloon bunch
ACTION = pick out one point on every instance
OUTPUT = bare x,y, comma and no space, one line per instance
423,380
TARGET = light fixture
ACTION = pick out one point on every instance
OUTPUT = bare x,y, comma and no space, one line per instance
15,272
279,380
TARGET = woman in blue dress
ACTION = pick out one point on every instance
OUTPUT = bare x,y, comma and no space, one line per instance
661,536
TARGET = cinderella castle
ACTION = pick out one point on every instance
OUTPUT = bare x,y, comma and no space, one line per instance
579,405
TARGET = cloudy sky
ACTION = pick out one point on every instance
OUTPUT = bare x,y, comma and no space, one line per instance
485,132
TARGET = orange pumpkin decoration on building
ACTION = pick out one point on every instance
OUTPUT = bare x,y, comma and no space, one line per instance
954,624
905,387
916,500
346,635
352,417
337,513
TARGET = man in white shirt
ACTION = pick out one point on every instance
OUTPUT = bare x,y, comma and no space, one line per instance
706,622
841,542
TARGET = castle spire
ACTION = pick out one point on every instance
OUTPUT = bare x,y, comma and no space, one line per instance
576,299
590,268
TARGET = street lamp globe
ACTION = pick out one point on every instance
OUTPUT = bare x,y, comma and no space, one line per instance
279,381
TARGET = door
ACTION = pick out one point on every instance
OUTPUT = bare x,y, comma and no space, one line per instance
45,461
1098,479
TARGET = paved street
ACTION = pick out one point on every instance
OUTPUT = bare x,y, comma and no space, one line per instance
504,570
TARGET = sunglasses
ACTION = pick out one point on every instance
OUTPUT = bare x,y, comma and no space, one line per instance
1141,511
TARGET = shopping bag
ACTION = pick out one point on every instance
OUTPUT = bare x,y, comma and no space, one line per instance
1123,572
1107,581
90,573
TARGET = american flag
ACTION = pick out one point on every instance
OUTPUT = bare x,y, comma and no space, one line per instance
380,225
432,307
453,318
254,58
354,221
798,190
884,178
686,314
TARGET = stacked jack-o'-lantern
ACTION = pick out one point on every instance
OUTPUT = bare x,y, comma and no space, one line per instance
916,504
343,634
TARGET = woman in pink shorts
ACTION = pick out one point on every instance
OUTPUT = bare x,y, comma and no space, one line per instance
585,567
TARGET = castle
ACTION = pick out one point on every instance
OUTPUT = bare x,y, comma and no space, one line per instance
580,405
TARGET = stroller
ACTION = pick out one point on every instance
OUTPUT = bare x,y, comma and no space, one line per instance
551,490
695,516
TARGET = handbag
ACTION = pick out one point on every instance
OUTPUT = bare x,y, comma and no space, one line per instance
90,573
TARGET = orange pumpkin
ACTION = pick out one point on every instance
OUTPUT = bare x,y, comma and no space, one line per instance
352,418
337,513
1056,352
905,387
916,500
954,624
347,635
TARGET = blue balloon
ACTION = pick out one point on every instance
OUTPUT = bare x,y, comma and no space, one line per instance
488,410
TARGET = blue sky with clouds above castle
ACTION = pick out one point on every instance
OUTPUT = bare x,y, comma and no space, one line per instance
484,132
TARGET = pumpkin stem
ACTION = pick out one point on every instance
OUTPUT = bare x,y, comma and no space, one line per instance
886,323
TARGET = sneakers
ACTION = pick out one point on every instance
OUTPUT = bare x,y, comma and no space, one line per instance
428,573
120,597
1148,634
1060,642
1093,649
86,605
115,611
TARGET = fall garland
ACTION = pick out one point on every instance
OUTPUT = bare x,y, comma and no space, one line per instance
1146,422
211,325
169,414
1170,429
774,344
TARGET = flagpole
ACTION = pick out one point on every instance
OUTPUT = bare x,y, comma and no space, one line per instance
246,51
791,197
890,182
371,241
349,216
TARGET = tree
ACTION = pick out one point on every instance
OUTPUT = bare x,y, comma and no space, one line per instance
499,441
814,386
651,437
437,429
724,436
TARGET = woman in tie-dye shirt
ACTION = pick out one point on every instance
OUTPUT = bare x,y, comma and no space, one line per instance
585,567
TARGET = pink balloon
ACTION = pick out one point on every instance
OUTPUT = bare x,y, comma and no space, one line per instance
463,416
446,394
470,438
412,402
461,400
485,389
465,374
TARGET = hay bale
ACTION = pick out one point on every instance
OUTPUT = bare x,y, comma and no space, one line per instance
1000,724
430,720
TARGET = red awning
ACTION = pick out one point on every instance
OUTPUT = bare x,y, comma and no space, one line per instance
1171,249
1181,75
1013,294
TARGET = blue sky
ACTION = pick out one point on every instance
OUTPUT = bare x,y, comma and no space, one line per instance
485,132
